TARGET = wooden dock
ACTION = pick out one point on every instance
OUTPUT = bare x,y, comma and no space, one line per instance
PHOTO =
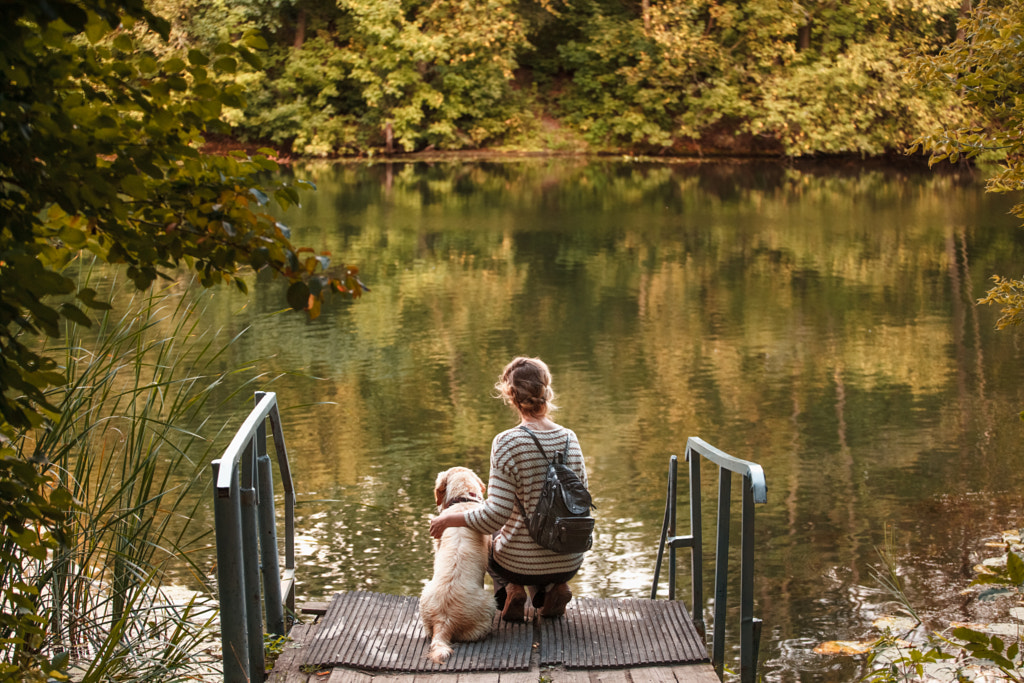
361,637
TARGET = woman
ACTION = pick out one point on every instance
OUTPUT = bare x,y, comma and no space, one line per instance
517,472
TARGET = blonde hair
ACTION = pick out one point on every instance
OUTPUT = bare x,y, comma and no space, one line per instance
525,384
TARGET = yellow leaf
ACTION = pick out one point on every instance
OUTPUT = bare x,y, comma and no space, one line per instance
844,647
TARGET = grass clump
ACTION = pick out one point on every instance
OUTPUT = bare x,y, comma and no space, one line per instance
120,472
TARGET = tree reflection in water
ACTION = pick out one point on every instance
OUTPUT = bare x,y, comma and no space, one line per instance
818,320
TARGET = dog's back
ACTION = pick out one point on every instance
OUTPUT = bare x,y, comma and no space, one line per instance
455,605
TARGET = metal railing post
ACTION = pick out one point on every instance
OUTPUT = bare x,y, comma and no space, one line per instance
668,528
697,549
250,550
721,569
754,492
268,549
231,579
750,635
288,486
246,533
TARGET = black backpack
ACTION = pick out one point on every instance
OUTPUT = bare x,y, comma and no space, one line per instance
561,521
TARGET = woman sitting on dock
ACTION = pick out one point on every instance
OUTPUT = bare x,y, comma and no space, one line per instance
517,471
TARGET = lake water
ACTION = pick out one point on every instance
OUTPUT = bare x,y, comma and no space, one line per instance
818,320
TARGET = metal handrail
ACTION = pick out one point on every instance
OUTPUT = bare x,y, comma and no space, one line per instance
246,533
755,491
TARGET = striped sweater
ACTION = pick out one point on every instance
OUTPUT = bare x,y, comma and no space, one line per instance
518,469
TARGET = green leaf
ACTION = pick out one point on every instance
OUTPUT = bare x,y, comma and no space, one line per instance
123,42
174,65
251,58
88,297
254,40
1015,568
75,314
61,660
135,186
298,296
206,91
73,237
232,100
73,16
226,65
198,58
970,635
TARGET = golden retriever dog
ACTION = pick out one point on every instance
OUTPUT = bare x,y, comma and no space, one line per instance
455,605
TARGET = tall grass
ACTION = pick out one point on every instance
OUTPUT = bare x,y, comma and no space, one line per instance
132,441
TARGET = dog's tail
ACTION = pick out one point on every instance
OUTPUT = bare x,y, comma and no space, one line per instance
440,646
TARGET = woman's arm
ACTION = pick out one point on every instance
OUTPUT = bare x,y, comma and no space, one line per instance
445,521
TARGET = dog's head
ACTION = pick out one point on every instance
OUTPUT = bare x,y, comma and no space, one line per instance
457,482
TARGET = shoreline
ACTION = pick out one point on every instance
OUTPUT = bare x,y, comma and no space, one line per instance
226,145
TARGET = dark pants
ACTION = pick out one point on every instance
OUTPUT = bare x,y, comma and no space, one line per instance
537,583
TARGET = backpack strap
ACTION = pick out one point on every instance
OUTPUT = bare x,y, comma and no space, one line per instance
559,458
522,509
537,441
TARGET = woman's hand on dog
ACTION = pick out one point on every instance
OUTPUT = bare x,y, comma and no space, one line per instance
444,521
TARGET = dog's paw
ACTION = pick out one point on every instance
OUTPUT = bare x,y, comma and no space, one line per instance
439,652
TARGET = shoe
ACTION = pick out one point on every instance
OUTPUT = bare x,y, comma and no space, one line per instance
557,597
515,604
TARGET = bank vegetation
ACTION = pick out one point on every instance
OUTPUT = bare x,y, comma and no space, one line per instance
672,77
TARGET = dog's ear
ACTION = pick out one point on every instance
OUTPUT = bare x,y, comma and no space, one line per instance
440,488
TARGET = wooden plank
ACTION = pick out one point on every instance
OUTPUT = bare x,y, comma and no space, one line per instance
390,638
518,677
578,642
602,631
476,678
567,676
633,643
695,673
609,676
654,674
431,678
291,659
318,608
681,621
491,647
667,634
339,675
651,646
593,647
368,613
329,624
412,634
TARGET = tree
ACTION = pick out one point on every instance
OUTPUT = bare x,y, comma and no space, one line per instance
983,68
100,140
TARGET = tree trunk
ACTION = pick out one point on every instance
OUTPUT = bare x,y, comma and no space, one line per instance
645,10
803,36
965,9
300,28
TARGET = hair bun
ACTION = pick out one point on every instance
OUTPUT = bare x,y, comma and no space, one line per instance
525,384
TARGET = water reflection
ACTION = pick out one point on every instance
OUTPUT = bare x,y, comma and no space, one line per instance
817,320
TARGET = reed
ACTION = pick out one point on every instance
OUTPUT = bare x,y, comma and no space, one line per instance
132,440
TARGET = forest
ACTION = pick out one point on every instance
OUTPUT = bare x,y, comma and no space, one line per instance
662,77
